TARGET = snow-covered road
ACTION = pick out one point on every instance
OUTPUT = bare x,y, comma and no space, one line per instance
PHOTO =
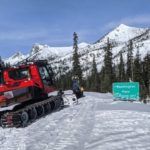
96,123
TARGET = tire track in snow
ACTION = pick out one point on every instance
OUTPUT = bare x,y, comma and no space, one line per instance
115,130
75,129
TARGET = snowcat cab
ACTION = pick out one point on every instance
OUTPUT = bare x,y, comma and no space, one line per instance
25,82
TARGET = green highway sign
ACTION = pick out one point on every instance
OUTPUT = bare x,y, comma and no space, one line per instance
126,90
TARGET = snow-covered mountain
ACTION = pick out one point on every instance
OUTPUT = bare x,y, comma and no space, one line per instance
123,33
61,57
16,58
96,123
39,51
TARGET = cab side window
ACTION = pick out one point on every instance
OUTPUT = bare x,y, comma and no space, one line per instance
43,72
19,74
45,75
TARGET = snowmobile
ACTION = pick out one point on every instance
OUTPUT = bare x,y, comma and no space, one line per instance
27,92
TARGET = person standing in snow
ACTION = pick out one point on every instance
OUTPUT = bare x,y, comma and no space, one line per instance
76,87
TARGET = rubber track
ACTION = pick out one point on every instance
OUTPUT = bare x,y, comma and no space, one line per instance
13,119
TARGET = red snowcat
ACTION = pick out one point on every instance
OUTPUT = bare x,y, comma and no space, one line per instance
26,93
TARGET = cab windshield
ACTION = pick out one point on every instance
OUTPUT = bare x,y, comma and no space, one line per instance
19,74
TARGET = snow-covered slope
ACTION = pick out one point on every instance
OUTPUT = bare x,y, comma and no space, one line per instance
39,51
96,123
45,51
61,57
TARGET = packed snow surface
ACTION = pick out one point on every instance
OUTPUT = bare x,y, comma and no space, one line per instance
96,123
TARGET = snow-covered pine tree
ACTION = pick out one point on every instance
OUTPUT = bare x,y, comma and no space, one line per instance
76,63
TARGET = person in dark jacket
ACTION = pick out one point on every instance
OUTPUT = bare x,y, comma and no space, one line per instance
76,87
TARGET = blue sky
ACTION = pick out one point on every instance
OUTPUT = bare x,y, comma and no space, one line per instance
52,22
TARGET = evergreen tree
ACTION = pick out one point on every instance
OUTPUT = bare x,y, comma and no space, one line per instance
121,68
108,69
137,68
1,62
114,73
129,72
76,63
87,84
146,73
102,76
94,76
63,81
137,74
